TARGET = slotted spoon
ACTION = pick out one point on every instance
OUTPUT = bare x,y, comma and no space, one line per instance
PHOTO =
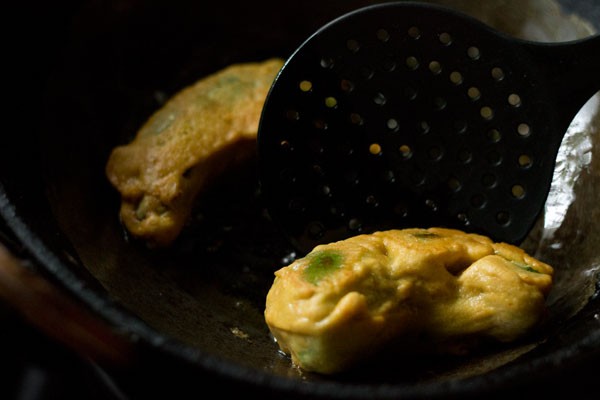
406,114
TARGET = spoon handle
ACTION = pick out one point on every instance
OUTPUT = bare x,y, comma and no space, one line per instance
572,70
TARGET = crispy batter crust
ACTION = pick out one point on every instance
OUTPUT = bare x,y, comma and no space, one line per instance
196,135
413,290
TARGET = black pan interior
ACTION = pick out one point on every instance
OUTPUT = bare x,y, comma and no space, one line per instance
95,77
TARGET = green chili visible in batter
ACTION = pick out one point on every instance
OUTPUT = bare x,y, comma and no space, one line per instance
321,264
524,266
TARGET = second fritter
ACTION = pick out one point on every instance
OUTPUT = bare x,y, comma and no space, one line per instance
196,135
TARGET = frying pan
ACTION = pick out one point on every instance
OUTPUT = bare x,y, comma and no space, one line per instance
189,318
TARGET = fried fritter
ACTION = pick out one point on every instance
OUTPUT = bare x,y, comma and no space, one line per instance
413,290
199,133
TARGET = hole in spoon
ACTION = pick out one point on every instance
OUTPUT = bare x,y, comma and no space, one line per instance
305,86
423,127
379,99
473,53
465,156
412,62
454,184
389,65
478,201
488,180
410,93
315,230
431,204
494,158
456,78
392,124
473,93
503,218
435,67
494,135
320,124
518,191
440,103
460,126
497,74
286,146
346,85
445,38
330,102
414,32
327,62
354,224
514,100
401,210
356,119
367,72
435,153
405,151
525,161
375,149
383,35
353,45
462,217
523,129
371,200
486,113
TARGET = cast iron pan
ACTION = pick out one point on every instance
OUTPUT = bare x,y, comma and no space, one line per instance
190,318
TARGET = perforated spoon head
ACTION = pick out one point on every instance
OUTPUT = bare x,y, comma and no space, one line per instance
413,115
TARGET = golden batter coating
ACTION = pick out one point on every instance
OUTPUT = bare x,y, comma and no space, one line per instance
196,135
435,290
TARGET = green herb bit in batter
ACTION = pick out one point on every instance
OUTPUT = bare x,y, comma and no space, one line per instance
321,264
519,264
524,266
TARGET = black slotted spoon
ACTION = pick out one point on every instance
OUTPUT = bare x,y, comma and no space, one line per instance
412,115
